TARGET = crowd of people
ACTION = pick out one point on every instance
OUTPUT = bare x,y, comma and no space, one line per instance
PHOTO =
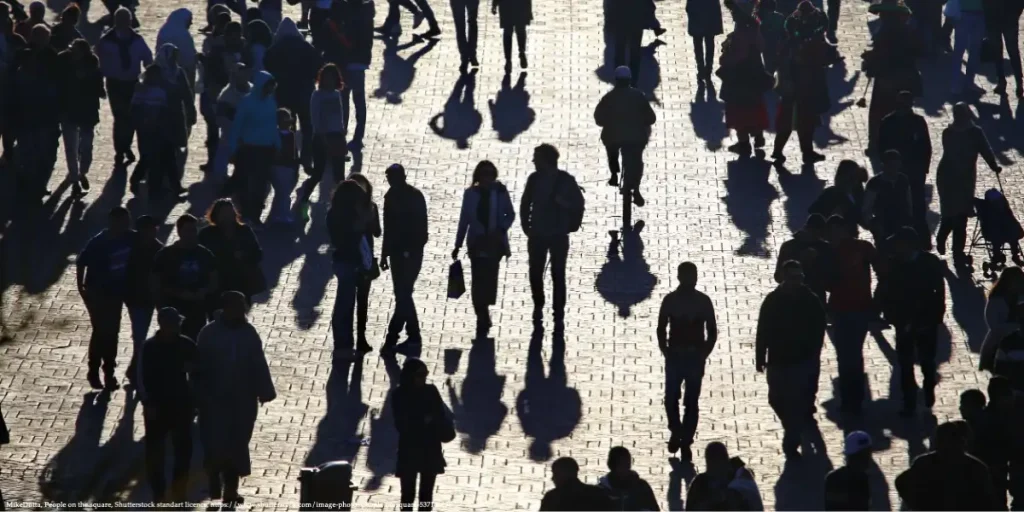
276,96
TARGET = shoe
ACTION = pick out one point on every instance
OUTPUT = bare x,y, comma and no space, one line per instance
673,443
614,180
355,145
408,347
474,62
658,32
740,148
417,19
793,455
110,383
522,61
84,182
76,190
758,141
638,199
363,347
94,379
813,157
433,32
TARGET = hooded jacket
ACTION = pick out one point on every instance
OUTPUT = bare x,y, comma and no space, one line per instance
255,118
295,64
634,493
81,87
176,31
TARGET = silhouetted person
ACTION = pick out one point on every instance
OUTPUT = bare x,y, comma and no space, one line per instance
122,53
214,75
464,13
744,83
37,100
405,236
185,275
972,411
624,486
1002,27
254,142
802,84
947,478
710,490
627,28
12,46
810,247
349,219
998,441
81,87
704,22
237,251
1002,317
888,205
181,110
66,31
359,33
845,197
907,132
687,332
140,297
294,62
373,271
422,422
550,209
101,272
570,493
151,117
848,487
914,301
484,220
790,335
36,16
167,361
515,16
327,132
421,12
891,63
625,117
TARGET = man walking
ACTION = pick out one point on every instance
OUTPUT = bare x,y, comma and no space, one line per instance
551,208
790,334
405,235
122,53
185,275
625,117
167,361
570,493
628,25
914,301
907,133
692,332
465,13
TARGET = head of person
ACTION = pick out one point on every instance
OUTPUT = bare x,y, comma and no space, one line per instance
146,226
620,461
169,321
857,450
119,221
485,174
623,76
284,119
234,306
716,459
395,174
849,175
837,229
254,13
81,50
904,243
220,20
350,202
687,274
364,183
151,75
222,213
414,373
792,273
962,114
951,438
214,12
71,14
1009,286
545,158
972,403
264,84
240,77
892,162
564,471
258,32
39,37
329,78
167,56
1000,391
188,230
122,19
905,101
36,11
814,226
233,33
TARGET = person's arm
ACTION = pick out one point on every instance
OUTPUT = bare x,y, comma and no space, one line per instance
255,251
663,320
711,325
786,253
188,98
764,330
376,229
996,318
507,215
82,264
868,208
601,112
389,223
314,116
241,119
526,205
460,234
265,391
649,116
985,149
146,53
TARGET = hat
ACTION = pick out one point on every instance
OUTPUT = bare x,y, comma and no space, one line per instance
623,73
856,442
169,316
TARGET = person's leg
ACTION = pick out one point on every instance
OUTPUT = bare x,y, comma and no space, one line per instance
633,160
537,250
426,497
559,257
69,131
408,491
709,56
805,134
480,270
783,127
362,309
674,376
613,161
86,136
156,429
961,42
319,162
521,39
975,30
231,480
959,235
996,37
945,228
459,17
849,329
358,87
905,353
1011,37
181,439
111,326
693,379
698,53
140,317
472,13
833,17
919,204
779,398
404,272
635,54
506,45
280,181
344,303
306,129
927,346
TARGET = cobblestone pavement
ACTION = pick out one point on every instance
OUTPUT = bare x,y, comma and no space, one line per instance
521,401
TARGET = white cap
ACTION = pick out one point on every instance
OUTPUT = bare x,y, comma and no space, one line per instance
856,442
623,72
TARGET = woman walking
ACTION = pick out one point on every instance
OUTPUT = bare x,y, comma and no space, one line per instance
845,197
349,221
237,252
704,22
181,106
486,216
175,31
81,86
514,15
962,142
254,141
744,82
363,290
258,38
423,424
327,129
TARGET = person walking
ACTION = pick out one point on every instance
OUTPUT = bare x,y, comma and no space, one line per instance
486,216
744,83
122,53
10,47
947,478
790,335
1002,28
703,23
181,109
175,32
168,361
907,132
514,16
405,236
228,100
421,12
285,174
687,332
349,220
888,201
36,97
464,13
551,207
36,16
237,253
81,88
957,176
326,131
1001,317
625,117
848,487
423,424
817,258
624,486
570,493
891,64
258,38
295,63
845,197
139,297
627,31
710,490
254,141
213,76
373,271
914,301
151,117
66,31
970,31
232,381
185,275
101,274
359,33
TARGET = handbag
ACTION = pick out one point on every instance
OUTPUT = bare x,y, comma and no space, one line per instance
446,427
456,280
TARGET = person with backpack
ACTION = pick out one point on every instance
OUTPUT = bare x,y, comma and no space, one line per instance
405,236
624,486
486,216
423,424
552,207
625,117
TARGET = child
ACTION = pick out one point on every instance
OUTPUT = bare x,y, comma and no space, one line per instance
285,173
772,31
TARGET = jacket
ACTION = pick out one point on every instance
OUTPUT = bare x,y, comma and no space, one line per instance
625,116
326,113
704,18
294,62
576,496
227,105
36,97
122,58
164,366
546,201
502,216
347,242
81,88
255,121
914,292
907,133
632,494
405,221
418,412
790,326
359,31
956,481
62,34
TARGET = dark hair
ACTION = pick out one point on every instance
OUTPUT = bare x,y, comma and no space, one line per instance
999,387
146,221
259,32
973,396
1005,281
71,13
567,464
717,450
119,212
484,166
151,73
346,196
221,20
217,206
233,26
815,221
848,169
364,182
687,268
548,153
331,70
616,454
185,220
792,265
253,14
836,221
410,370
891,154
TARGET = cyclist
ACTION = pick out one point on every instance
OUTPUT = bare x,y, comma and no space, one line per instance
625,116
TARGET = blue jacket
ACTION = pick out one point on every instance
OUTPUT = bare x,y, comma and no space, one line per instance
255,118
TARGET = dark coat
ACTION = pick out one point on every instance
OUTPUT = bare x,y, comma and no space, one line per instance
62,34
514,13
703,494
790,327
834,201
959,482
36,98
294,63
704,18
625,116
236,257
576,496
914,292
81,88
418,412
634,493
907,133
627,16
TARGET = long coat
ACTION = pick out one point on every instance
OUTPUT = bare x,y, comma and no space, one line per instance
232,379
514,13
417,412
704,18
957,174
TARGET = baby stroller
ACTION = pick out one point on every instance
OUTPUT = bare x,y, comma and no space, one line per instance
996,227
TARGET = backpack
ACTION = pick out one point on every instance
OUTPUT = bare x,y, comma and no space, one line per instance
569,191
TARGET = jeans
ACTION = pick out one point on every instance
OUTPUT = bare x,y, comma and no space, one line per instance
119,94
464,12
792,392
632,162
321,159
506,40
484,292
77,148
1008,37
105,317
683,368
355,92
141,317
958,226
161,422
538,248
704,51
426,491
221,157
405,269
253,167
970,29
223,482
629,41
362,307
283,180
849,329
344,305
919,345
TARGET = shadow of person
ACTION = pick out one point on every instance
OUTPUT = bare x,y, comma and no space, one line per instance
626,280
681,472
336,435
480,413
460,120
66,475
748,202
281,247
707,115
511,114
382,453
998,123
120,467
801,486
650,71
839,87
800,190
547,407
968,299
397,74
316,269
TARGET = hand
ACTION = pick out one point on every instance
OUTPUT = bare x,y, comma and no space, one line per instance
760,367
997,169
455,253
384,263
